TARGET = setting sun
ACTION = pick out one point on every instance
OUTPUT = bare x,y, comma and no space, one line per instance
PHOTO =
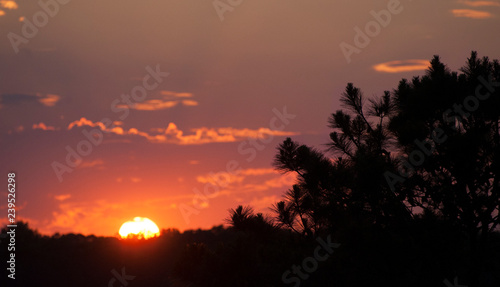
141,227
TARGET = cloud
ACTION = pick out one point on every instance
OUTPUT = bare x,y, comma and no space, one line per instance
87,217
62,197
264,203
173,135
472,14
285,180
91,164
47,100
206,135
259,171
151,105
42,126
135,179
2,12
171,94
8,4
189,103
480,3
280,181
225,179
251,181
18,129
81,216
402,66
85,122
168,99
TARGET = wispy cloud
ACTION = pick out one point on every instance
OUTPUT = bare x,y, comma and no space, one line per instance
47,100
226,179
91,164
86,217
135,179
278,181
81,216
62,197
152,105
84,122
264,203
166,100
8,4
189,103
472,14
176,94
402,66
206,135
42,126
480,3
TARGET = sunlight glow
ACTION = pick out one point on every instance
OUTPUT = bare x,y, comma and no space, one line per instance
8,4
402,66
469,13
141,227
480,3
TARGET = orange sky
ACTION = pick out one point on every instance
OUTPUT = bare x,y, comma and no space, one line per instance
172,110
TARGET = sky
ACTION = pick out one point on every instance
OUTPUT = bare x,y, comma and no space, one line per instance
173,110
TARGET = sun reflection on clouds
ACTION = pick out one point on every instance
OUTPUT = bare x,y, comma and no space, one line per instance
480,3
166,100
49,100
168,94
42,126
62,197
91,164
173,135
402,66
189,103
8,4
472,14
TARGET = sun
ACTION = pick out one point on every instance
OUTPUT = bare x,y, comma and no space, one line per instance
141,227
